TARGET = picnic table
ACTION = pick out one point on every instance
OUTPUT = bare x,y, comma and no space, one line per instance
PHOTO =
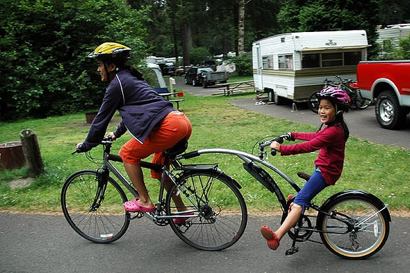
232,88
174,97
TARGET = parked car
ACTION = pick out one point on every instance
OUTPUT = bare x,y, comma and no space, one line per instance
204,76
167,69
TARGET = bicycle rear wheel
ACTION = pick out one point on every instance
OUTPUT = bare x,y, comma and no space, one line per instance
355,227
313,103
94,208
216,214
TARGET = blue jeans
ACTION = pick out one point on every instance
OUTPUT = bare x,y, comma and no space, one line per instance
313,186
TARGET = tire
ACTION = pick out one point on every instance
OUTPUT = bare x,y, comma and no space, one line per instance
349,241
104,223
204,84
194,82
389,114
219,208
313,103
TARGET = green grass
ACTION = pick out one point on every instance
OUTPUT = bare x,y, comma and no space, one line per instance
379,169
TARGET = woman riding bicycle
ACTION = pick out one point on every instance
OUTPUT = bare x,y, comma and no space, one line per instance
330,140
152,121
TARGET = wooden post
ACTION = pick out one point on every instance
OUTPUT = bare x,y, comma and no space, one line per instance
31,152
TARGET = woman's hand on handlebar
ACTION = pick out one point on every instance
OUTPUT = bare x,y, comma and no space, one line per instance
111,136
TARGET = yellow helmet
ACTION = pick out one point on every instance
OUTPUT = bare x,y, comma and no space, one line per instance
110,50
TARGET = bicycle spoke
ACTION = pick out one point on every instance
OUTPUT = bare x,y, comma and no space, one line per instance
95,213
213,228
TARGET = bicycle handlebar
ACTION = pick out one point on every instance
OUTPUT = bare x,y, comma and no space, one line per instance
266,143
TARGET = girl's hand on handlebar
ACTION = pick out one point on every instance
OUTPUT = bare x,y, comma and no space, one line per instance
275,145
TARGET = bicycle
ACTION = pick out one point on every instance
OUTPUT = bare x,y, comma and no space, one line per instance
352,224
348,85
92,202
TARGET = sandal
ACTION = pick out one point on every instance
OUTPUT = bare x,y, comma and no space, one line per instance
271,237
182,220
136,206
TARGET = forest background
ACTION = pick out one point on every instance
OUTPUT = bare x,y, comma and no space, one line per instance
44,43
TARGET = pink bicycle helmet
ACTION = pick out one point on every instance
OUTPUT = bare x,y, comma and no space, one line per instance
338,96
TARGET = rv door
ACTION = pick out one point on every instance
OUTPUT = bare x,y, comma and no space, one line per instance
257,78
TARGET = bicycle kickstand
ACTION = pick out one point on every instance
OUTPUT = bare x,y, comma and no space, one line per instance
293,249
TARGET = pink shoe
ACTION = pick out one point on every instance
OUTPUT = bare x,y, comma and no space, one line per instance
271,237
136,206
180,220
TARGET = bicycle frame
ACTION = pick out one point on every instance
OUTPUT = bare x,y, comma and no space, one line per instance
260,174
107,167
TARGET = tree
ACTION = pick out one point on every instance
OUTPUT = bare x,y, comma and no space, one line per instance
241,27
323,15
43,49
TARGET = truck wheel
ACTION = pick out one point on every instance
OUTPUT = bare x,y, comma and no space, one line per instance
389,114
204,84
193,82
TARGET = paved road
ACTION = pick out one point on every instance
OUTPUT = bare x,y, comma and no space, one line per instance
39,243
362,123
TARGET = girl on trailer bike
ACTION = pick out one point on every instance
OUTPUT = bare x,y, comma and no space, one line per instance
152,121
330,140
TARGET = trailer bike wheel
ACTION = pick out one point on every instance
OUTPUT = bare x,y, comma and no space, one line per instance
354,227
216,214
94,208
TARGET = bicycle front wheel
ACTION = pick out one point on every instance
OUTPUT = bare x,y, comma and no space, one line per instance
215,211
354,227
94,207
361,102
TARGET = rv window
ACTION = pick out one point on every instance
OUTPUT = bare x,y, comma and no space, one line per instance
311,60
267,62
332,59
285,61
352,58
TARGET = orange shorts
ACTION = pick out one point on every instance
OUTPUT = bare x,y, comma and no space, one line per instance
172,129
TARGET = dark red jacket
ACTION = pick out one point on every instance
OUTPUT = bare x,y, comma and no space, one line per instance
330,142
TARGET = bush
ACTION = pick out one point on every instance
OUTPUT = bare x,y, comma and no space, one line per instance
243,64
43,49
198,55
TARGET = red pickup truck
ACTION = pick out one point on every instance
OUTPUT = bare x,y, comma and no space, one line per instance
388,83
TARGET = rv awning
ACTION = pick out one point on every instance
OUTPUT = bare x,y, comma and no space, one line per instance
307,49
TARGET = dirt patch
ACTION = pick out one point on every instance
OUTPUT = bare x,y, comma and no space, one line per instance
21,183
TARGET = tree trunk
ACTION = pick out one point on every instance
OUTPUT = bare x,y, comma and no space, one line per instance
241,27
187,43
174,29
11,155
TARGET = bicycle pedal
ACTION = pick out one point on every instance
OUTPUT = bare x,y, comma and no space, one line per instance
291,251
136,215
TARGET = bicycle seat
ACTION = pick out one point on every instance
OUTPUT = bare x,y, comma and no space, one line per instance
177,149
303,175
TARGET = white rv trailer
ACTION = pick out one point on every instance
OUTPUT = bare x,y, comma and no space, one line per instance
294,65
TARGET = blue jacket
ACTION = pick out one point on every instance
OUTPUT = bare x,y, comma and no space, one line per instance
140,107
